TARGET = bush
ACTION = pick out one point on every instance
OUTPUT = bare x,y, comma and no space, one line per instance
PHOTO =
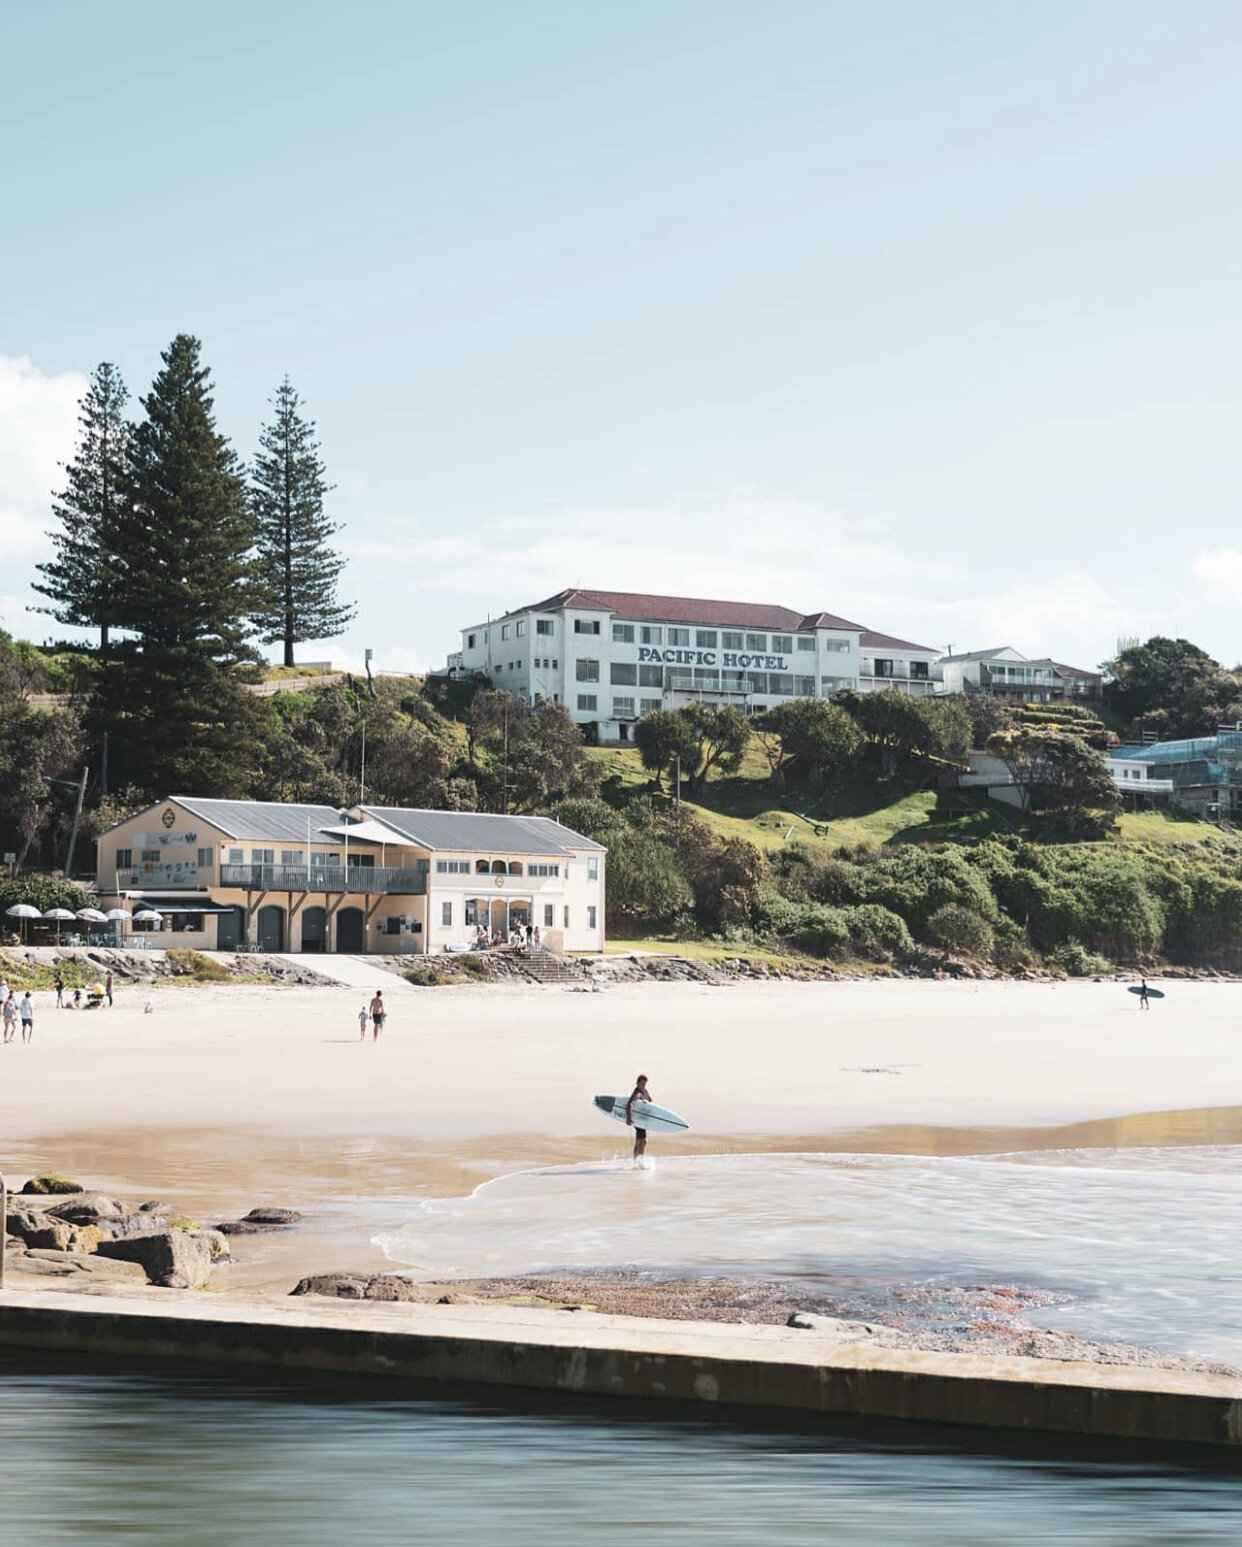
475,966
424,977
1076,961
193,964
822,931
876,932
959,929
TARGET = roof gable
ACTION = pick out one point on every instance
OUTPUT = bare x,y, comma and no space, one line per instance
480,831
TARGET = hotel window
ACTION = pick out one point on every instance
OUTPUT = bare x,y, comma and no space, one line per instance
593,867
520,627
731,641
446,913
470,638
263,856
504,632
679,636
836,644
648,705
472,911
543,870
757,642
290,856
549,913
782,644
884,667
453,867
586,670
733,681
237,857
566,918
556,665
544,625
804,687
704,678
623,633
830,685
651,676
125,859
651,636
918,670
318,861
586,625
805,643
780,682
623,708
705,638
587,701
590,916
623,675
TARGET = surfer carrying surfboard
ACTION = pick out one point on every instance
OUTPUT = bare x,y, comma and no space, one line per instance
639,1093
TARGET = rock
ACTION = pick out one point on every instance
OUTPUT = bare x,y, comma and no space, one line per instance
456,1297
89,1209
831,1326
216,1244
273,1217
85,1239
51,1184
155,1208
163,1253
75,1265
244,1227
359,1286
173,1281
38,1229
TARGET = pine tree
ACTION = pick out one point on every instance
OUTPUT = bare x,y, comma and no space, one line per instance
299,571
171,698
85,581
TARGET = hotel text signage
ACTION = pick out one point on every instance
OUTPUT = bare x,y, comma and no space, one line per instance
710,658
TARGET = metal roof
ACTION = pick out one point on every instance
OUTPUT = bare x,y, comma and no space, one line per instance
481,831
261,818
873,641
646,607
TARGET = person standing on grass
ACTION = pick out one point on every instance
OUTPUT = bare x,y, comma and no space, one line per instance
378,1014
27,1013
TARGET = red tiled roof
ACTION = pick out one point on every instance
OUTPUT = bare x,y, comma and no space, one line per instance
874,641
688,609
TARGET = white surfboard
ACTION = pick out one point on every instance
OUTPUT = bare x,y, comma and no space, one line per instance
646,1115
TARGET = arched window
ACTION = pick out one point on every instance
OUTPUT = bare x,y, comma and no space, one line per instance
515,867
481,867
498,867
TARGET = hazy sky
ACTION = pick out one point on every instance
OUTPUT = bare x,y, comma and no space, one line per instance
922,313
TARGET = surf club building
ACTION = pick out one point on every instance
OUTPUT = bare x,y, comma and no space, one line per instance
234,875
612,656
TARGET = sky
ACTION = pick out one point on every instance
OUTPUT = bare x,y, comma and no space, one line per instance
920,312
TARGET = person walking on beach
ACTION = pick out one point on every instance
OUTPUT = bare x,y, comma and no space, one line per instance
60,992
27,1012
378,1015
1144,996
108,988
639,1093
362,1023
9,1013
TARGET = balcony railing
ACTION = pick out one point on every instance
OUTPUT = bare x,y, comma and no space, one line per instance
325,878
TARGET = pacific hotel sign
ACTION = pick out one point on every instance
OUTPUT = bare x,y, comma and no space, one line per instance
713,658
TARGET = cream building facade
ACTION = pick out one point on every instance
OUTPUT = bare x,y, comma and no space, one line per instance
233,875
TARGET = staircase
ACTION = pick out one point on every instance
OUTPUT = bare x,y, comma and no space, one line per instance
543,967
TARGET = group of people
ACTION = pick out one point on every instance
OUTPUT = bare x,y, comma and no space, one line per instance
375,1013
96,995
13,1010
520,936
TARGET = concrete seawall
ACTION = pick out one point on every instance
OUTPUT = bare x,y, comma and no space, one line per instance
520,1348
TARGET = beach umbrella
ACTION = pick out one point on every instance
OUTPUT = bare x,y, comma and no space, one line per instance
56,914
92,915
148,915
118,915
23,911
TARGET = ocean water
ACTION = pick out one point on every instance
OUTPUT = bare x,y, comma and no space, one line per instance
1133,1245
197,1461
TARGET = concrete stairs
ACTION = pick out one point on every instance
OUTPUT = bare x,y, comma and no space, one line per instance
543,967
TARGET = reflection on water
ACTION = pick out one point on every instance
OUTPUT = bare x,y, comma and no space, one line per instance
1144,1243
132,1459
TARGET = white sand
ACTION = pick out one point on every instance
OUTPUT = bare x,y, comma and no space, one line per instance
754,1059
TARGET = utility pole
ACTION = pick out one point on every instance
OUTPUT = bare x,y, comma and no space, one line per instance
77,817
362,772
677,803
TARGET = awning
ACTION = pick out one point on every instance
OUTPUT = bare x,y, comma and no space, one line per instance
171,903
364,832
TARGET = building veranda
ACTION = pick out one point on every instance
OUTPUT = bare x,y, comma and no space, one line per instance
232,875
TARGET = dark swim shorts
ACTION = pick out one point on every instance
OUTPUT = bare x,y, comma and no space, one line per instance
640,1133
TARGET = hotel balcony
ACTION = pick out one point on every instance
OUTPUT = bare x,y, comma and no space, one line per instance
367,879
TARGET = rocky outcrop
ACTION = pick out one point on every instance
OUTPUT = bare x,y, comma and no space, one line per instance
173,1259
42,1185
78,1267
258,1221
216,1244
359,1286
87,1209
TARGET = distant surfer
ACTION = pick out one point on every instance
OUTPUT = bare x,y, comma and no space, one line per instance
1144,997
639,1093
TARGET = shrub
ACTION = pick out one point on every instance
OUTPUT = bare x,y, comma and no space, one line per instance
876,932
960,929
822,931
424,977
193,964
474,966
1076,961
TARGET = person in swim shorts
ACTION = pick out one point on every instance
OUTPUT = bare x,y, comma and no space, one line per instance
378,1015
639,1093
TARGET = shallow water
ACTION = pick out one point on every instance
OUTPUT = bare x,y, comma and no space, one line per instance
160,1459
1138,1245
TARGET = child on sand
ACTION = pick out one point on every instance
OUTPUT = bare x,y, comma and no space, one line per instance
362,1023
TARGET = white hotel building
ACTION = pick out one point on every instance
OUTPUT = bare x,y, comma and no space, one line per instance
612,656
